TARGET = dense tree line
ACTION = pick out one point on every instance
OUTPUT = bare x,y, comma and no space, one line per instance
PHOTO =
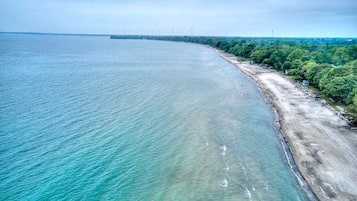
330,64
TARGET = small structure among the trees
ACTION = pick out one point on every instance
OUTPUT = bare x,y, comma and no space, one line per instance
305,83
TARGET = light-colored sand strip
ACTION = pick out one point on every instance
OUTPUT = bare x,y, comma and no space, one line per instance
323,146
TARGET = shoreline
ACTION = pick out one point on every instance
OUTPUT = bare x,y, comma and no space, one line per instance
319,142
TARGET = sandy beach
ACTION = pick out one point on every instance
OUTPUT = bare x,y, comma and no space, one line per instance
322,144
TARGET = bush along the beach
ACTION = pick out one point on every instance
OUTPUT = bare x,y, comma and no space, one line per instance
355,102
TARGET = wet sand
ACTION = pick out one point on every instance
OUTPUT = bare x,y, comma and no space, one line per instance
323,146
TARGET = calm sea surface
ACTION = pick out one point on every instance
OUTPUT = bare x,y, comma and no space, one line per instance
89,118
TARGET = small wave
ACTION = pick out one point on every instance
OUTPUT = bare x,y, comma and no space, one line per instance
248,193
266,187
292,165
224,148
224,183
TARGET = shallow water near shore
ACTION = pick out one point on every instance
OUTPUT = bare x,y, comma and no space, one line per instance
89,118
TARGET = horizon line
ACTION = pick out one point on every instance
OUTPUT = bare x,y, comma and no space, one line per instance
168,35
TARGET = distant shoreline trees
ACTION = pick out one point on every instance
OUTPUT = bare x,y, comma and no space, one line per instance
330,64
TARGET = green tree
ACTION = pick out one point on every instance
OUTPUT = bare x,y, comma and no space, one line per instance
321,57
355,102
352,52
259,55
236,49
296,54
223,45
320,75
296,69
310,69
340,87
334,73
277,58
352,66
340,56
295,73
247,50
296,63
286,65
351,96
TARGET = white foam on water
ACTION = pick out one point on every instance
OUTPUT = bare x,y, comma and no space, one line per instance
224,183
266,186
224,148
248,193
291,166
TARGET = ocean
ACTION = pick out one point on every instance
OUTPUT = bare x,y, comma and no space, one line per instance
89,118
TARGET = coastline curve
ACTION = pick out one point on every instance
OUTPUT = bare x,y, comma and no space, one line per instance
316,148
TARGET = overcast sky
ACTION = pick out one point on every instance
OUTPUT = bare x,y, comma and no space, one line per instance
288,18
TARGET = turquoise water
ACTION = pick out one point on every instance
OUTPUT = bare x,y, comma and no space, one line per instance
89,118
